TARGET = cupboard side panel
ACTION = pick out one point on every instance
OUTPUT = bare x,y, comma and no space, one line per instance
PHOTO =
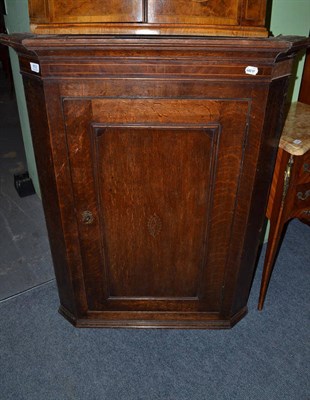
41,137
272,129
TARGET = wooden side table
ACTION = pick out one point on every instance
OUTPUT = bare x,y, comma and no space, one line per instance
290,189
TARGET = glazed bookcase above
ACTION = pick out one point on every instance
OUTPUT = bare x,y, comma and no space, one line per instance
167,17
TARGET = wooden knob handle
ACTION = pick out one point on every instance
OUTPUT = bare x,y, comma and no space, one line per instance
87,217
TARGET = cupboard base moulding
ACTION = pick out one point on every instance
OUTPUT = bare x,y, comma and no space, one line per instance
99,320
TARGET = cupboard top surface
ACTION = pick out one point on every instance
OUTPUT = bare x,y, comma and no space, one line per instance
181,57
205,46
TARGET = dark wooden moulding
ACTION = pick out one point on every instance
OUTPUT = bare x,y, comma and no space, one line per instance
155,157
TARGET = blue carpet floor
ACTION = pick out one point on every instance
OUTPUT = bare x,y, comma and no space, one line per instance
264,357
25,259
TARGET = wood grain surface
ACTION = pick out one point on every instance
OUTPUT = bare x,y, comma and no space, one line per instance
155,161
191,17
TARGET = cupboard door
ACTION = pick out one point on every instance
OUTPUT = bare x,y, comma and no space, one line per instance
78,11
212,12
155,183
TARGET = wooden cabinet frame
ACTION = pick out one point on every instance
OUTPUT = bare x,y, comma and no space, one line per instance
173,17
155,157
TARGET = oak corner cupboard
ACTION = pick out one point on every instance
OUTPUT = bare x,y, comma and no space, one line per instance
155,157
155,147
168,17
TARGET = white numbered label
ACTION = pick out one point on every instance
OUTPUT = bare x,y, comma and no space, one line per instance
35,67
251,70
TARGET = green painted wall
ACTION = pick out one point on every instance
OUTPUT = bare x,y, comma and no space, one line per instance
291,17
17,20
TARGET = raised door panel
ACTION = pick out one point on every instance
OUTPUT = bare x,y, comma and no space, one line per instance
155,185
78,11
154,217
212,12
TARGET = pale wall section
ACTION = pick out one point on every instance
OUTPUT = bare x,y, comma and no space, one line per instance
291,17
17,20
